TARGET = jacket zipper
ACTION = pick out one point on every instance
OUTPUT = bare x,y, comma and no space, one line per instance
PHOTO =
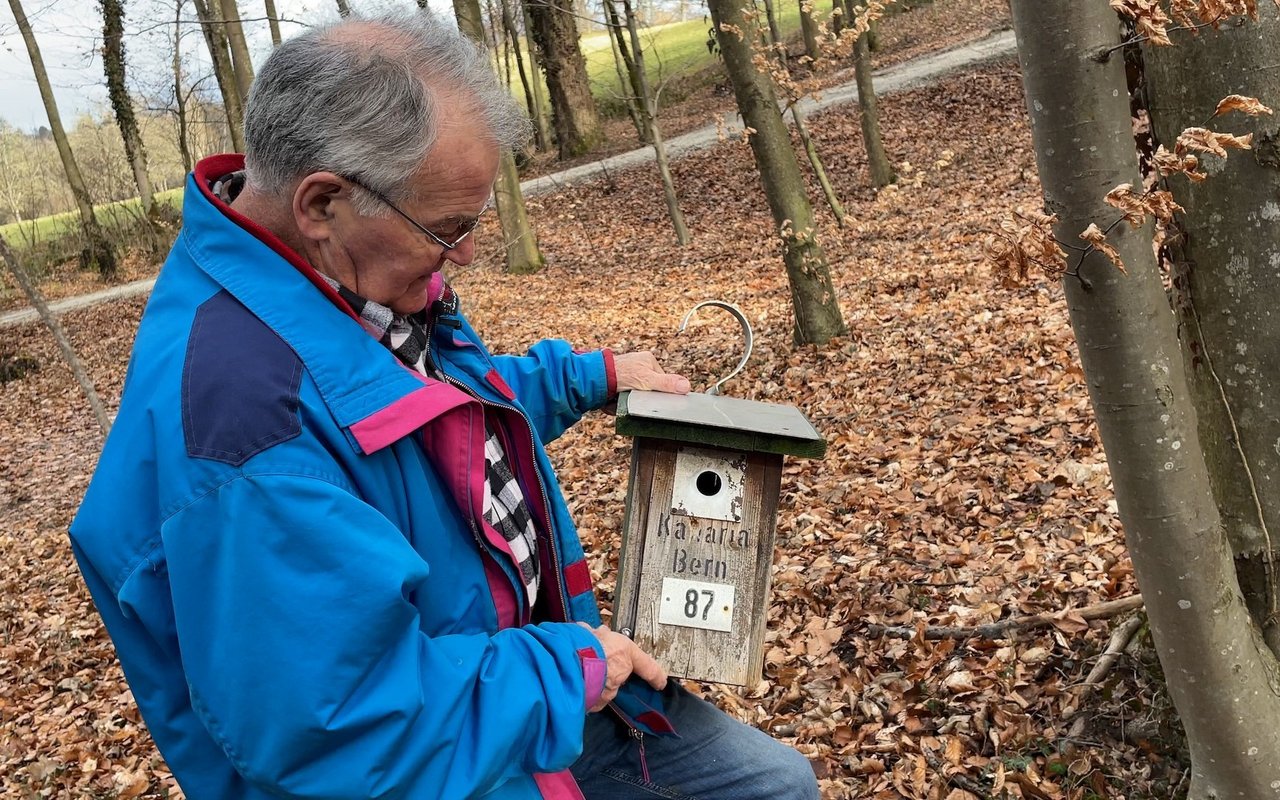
533,460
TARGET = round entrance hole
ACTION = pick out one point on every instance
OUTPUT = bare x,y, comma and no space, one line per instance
709,483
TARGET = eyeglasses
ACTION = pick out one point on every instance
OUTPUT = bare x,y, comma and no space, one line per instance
451,239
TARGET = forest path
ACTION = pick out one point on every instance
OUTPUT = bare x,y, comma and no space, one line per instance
896,78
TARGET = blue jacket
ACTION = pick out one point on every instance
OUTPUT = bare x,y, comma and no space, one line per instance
285,541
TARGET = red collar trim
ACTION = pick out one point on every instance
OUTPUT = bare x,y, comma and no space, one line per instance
214,167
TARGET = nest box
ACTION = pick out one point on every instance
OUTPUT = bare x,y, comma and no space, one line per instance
697,539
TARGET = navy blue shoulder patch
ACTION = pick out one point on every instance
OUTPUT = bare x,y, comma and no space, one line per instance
239,384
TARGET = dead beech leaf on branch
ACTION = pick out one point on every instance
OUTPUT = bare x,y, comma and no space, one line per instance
1024,242
1242,103
1129,202
1208,141
1178,163
1098,240
1149,19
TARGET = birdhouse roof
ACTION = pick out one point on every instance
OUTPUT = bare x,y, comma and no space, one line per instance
719,421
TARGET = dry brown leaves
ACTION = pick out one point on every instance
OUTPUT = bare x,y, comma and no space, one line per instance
964,481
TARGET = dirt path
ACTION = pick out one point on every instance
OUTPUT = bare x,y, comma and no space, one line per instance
902,76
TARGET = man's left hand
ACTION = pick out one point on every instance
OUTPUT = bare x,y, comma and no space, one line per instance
641,371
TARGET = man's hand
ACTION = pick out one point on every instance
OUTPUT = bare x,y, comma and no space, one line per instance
641,371
625,657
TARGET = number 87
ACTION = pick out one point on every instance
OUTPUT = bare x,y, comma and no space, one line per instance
691,603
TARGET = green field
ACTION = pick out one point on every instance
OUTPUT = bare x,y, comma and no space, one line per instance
24,235
677,50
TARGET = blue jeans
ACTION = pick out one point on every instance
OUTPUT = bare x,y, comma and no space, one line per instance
715,757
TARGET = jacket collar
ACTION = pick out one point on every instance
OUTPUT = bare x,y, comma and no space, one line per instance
359,379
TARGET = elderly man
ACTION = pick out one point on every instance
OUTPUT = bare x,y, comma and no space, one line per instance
324,534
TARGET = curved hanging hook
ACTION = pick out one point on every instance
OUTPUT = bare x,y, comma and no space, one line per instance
746,332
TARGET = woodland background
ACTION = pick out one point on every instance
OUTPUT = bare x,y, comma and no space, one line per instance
964,482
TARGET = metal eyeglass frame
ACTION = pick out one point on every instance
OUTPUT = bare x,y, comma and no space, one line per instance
433,237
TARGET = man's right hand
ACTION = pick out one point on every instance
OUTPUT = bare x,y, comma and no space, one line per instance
624,658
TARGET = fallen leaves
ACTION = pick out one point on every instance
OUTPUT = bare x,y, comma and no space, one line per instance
964,482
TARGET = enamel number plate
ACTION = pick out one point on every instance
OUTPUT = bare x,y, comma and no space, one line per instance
694,604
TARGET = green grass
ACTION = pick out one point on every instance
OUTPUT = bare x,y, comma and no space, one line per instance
43,230
674,52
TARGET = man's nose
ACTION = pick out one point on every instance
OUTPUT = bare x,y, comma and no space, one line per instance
464,253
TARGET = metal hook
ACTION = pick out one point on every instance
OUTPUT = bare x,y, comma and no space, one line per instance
746,332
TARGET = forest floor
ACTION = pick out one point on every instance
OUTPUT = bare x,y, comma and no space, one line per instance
964,482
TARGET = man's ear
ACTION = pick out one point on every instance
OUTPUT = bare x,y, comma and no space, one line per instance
313,204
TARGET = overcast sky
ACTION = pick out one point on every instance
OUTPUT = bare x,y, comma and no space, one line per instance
69,33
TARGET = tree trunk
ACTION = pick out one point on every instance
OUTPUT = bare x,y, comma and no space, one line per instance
775,31
344,10
573,109
648,103
523,255
813,296
113,64
1219,672
241,64
628,82
179,95
1226,268
273,19
503,46
542,137
215,37
535,62
98,252
59,335
809,31
881,171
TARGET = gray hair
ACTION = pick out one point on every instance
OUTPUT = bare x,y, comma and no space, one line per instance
362,98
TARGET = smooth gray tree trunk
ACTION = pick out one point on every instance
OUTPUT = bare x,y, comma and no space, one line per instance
813,295
1220,673
273,19
1226,270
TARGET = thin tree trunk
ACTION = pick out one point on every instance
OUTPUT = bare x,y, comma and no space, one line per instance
877,161
215,37
523,255
179,95
649,108
806,141
495,22
775,31
573,109
813,295
527,79
1226,281
540,122
809,31
98,251
36,299
344,10
113,64
628,78
273,19
240,61
1219,672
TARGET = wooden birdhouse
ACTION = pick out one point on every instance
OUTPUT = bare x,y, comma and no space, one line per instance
697,539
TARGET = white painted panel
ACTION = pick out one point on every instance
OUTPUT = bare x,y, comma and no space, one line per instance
709,484
696,604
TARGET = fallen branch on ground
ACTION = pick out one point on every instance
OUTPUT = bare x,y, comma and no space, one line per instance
1002,629
1119,641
